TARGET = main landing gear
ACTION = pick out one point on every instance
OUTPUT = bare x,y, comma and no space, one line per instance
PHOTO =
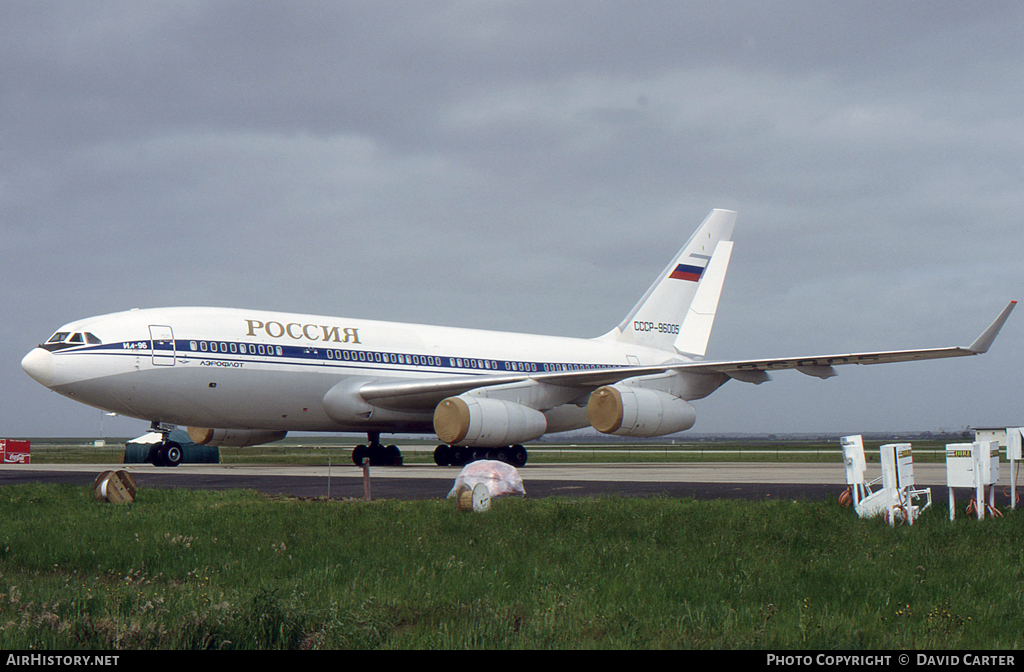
444,455
380,456
457,456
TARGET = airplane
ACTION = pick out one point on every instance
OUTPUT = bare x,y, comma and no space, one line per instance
245,377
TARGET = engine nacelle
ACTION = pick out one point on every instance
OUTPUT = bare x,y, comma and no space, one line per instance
234,437
637,411
487,423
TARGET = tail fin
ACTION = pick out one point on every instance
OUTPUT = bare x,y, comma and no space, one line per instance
678,310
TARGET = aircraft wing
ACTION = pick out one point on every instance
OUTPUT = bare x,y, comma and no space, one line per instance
425,394
821,366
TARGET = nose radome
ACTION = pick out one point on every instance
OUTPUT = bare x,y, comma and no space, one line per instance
39,365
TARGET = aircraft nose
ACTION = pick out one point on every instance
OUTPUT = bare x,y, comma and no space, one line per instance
39,365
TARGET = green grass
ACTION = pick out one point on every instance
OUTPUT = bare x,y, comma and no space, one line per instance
201,569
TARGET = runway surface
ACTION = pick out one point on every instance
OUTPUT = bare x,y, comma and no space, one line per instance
736,480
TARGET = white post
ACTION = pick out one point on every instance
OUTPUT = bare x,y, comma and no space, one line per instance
979,486
1013,453
979,500
366,479
1013,485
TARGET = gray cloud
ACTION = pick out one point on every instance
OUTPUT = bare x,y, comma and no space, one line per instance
493,164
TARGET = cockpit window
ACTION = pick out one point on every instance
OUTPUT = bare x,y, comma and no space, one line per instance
66,339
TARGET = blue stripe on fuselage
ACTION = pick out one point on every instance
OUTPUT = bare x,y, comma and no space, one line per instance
231,351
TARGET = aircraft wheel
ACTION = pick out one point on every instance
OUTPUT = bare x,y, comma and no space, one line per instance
501,455
171,453
443,456
393,456
156,456
518,456
460,456
358,454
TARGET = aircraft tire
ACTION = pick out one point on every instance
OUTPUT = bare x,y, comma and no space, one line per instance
171,454
443,456
460,456
155,456
393,456
518,456
358,453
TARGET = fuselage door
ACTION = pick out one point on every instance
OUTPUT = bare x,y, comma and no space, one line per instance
162,345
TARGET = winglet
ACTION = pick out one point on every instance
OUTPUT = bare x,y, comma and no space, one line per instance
982,343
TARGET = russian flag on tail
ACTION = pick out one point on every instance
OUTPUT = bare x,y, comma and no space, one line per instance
686,272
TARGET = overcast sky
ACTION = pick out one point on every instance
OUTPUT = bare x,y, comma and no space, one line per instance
529,166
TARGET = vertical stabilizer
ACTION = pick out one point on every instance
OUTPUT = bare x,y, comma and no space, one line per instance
677,311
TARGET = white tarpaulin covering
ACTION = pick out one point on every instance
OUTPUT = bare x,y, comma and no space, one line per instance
500,478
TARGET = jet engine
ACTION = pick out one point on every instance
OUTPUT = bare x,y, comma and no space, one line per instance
636,411
488,423
234,437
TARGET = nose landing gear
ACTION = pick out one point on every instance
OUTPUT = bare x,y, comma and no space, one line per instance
166,453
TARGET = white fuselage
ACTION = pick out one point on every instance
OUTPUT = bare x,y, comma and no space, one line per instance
250,369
